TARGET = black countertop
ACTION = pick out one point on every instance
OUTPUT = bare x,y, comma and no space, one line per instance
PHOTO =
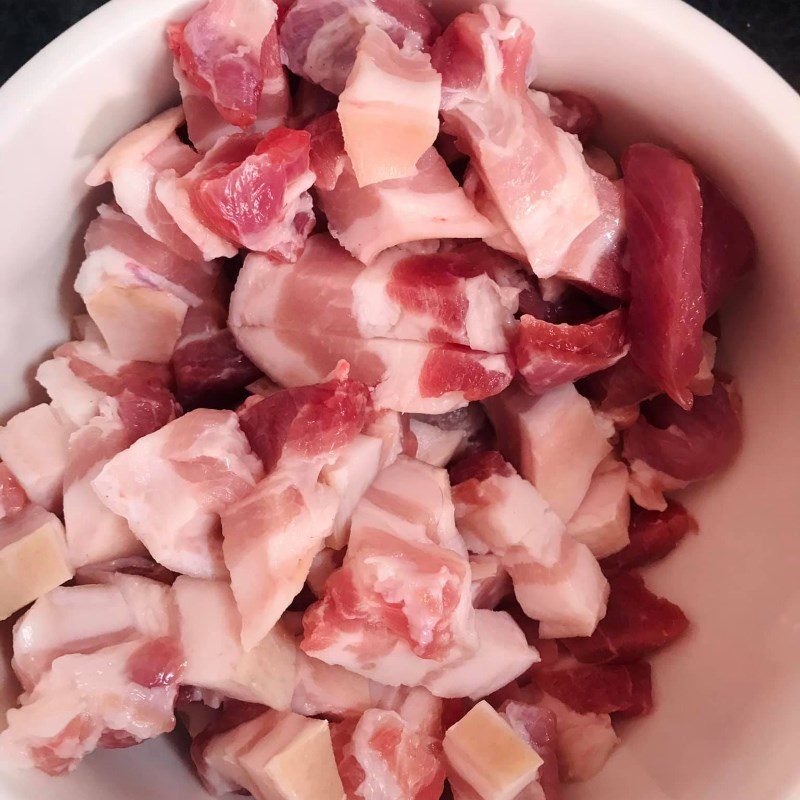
770,27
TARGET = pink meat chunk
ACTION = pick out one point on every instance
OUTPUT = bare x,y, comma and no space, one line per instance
368,220
136,290
387,753
663,208
319,40
728,247
309,422
227,62
550,355
213,203
115,697
439,297
133,165
637,623
399,609
12,496
594,259
33,447
497,511
653,536
533,172
601,521
687,445
84,619
584,742
389,109
172,485
554,441
270,538
537,727
624,689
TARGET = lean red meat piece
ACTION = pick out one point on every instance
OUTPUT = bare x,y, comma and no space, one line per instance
663,208
249,190
533,173
227,63
319,39
549,355
728,245
654,535
636,623
687,445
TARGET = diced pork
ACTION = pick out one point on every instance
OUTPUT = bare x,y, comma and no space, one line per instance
33,447
213,203
553,440
533,171
172,485
319,39
389,109
133,165
227,63
663,208
601,521
12,496
368,220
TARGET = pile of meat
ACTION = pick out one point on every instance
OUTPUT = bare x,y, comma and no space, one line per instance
385,371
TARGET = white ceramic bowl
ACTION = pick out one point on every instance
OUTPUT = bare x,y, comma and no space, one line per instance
727,723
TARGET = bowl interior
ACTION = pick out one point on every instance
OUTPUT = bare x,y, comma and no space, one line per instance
727,696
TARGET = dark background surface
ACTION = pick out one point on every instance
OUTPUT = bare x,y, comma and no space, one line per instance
770,27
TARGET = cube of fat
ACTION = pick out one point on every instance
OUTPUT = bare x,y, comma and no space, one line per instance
33,558
294,761
33,445
485,753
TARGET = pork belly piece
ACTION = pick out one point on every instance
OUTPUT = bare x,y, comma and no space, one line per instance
687,445
84,619
663,208
81,373
389,109
653,536
568,598
210,633
601,521
500,512
487,758
549,355
554,440
624,689
227,63
368,220
491,582
172,485
637,623
307,423
388,753
213,203
270,538
319,40
400,606
33,447
455,297
95,533
584,742
136,290
33,557
116,697
536,726
533,172
133,165
12,496
727,247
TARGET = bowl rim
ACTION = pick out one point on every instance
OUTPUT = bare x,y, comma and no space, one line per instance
763,87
